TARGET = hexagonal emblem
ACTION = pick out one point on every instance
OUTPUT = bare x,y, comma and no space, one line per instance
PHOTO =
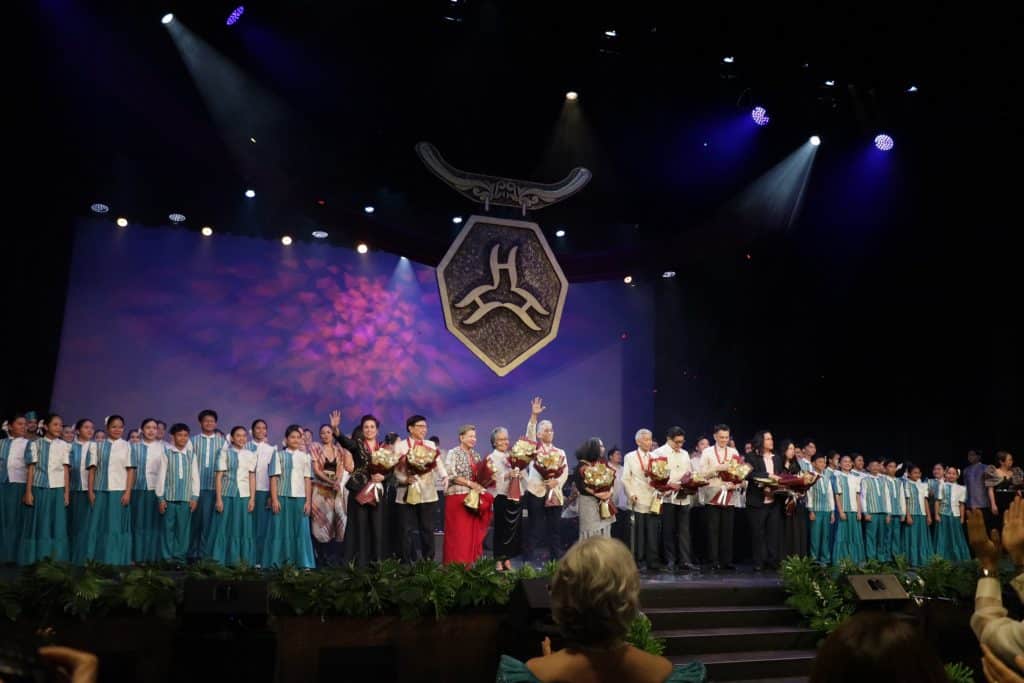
502,290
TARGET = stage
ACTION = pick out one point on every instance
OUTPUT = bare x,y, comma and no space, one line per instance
735,623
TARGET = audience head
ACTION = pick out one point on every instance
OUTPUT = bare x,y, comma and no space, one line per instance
595,592
877,647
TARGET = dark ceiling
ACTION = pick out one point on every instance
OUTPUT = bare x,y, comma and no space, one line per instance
337,93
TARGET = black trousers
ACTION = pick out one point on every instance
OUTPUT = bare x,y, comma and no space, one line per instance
365,541
418,531
646,538
720,524
764,533
675,534
544,525
620,528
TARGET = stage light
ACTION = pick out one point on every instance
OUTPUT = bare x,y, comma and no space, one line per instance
207,231
235,15
728,60
559,233
912,88
368,209
883,142
167,18
322,202
320,234
176,218
402,258
457,220
815,140
610,33
628,279
760,116
252,140
99,208
830,84
668,273
286,240
362,248
250,193
572,95
122,222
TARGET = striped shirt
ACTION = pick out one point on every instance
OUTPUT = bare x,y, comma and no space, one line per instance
177,478
206,449
847,486
917,497
873,498
264,451
896,489
50,459
293,468
82,457
950,497
237,466
113,460
933,488
12,461
819,496
145,457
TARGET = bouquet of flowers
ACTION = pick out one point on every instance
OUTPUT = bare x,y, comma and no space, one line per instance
599,478
550,465
657,476
382,461
519,458
734,472
483,474
420,459
795,485
691,483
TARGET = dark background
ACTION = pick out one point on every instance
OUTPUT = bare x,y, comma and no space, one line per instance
885,320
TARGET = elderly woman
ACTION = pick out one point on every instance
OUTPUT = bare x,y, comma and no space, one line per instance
464,528
508,512
595,596
1004,483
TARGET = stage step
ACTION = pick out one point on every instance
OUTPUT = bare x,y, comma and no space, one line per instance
758,665
777,638
666,618
718,594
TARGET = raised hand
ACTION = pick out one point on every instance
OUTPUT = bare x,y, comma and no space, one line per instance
537,406
1013,531
335,419
986,548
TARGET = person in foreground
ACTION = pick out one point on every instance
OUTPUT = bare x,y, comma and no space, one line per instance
595,596
877,647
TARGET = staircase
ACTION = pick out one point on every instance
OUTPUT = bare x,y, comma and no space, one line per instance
737,625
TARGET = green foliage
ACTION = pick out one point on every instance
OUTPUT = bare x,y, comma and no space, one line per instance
641,636
824,597
958,672
425,589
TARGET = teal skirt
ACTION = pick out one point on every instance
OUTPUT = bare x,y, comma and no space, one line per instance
917,541
261,520
146,526
201,520
11,511
78,524
230,540
110,530
949,539
849,541
44,527
289,539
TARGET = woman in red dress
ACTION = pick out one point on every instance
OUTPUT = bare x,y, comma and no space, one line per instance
464,528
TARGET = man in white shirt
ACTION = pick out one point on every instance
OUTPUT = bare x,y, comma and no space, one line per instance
675,512
646,526
720,498
417,519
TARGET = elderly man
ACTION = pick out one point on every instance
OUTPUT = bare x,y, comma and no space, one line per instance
543,495
646,525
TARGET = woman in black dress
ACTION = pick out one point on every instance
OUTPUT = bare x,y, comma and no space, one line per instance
794,538
1004,482
365,536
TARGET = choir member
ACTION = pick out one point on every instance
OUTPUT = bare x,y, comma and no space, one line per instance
44,525
146,521
288,537
177,494
109,539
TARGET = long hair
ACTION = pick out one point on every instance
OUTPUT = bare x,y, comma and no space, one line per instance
590,450
758,442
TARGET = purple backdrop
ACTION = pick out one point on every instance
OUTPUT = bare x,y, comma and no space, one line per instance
162,323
